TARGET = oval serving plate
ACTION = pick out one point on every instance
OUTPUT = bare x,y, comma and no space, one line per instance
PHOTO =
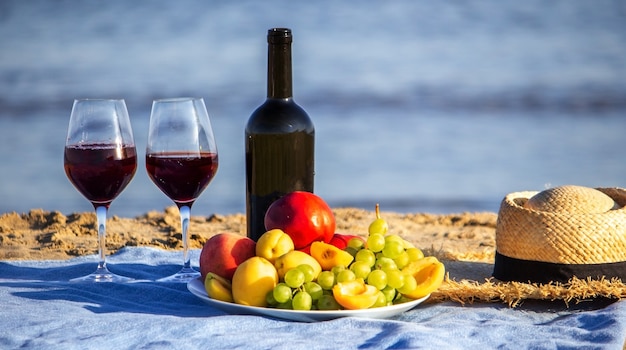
196,287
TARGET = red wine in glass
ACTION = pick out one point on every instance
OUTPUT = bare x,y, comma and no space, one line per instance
100,160
100,172
181,176
181,160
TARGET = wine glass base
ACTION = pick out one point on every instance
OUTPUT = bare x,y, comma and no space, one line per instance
102,274
185,275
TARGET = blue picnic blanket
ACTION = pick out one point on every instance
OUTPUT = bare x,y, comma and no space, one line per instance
40,309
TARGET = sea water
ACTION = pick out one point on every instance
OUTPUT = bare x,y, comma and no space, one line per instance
421,106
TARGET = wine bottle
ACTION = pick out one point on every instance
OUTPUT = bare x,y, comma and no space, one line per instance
279,139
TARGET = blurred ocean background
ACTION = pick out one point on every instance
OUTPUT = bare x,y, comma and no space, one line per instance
421,106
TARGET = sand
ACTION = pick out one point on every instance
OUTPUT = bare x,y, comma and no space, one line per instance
41,234
464,242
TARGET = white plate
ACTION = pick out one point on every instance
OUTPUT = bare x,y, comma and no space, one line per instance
197,288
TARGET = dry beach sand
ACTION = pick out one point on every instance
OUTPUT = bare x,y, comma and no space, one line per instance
465,242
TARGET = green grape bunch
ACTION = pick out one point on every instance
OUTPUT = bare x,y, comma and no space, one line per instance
379,261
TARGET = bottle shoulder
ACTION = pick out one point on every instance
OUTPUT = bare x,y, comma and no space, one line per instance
279,116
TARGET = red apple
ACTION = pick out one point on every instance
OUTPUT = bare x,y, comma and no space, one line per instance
304,216
222,253
341,240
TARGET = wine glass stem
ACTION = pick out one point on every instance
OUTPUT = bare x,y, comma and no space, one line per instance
185,214
101,219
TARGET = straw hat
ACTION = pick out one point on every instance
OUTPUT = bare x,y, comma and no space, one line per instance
560,233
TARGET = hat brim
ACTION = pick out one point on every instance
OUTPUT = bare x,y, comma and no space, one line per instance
512,269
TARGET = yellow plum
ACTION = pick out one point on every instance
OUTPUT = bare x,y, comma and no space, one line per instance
273,244
252,280
292,259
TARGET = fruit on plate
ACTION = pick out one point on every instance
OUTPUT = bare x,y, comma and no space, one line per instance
273,244
304,216
380,270
218,288
355,294
428,273
292,259
252,280
222,253
329,256
340,240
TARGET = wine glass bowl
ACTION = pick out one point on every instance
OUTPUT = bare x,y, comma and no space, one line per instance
181,160
100,160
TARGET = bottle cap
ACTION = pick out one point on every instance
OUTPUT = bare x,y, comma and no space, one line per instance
279,36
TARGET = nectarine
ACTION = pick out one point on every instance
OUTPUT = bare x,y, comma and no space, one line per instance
222,253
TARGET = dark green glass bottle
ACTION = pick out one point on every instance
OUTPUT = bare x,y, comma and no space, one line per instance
280,139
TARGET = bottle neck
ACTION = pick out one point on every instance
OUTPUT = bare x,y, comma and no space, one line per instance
279,80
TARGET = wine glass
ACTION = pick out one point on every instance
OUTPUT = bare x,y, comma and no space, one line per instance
100,159
181,160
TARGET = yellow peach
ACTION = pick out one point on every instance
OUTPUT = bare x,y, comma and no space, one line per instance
355,294
328,256
428,273
218,288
